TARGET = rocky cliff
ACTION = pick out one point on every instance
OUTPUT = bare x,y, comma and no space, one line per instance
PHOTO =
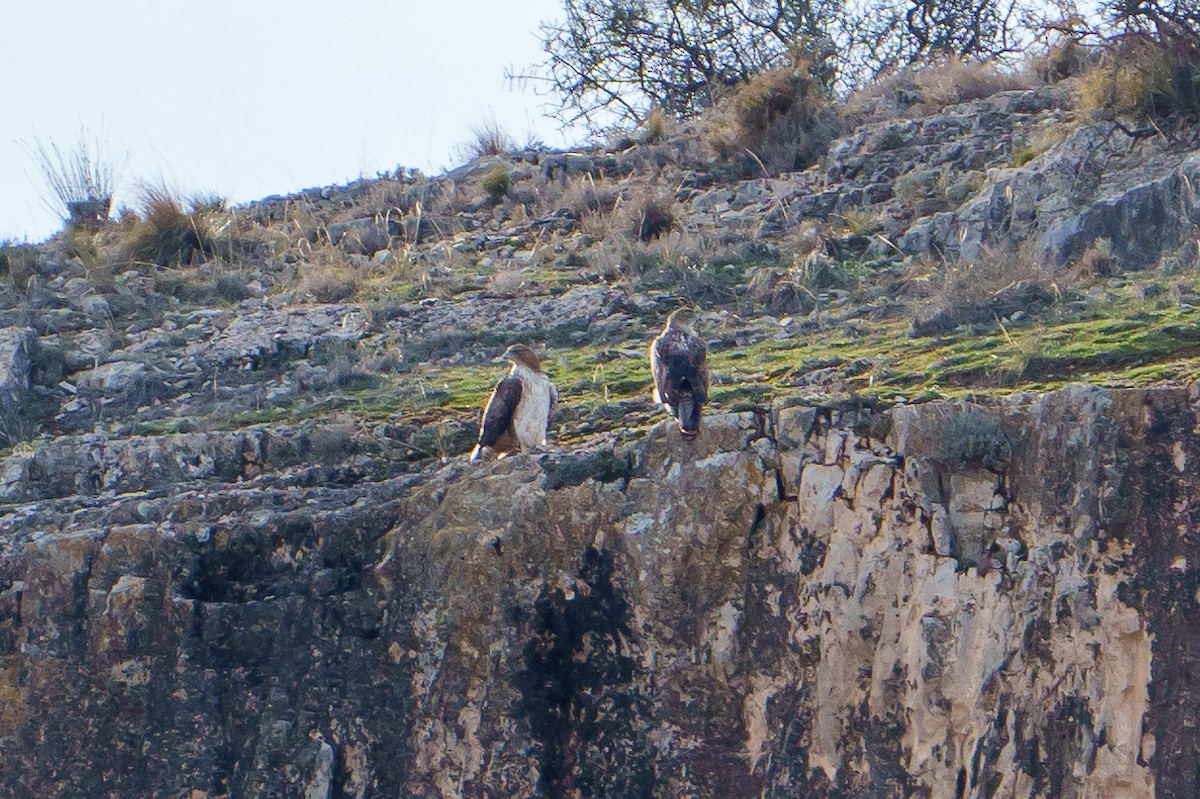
944,600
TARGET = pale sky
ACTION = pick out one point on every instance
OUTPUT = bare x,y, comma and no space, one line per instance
248,98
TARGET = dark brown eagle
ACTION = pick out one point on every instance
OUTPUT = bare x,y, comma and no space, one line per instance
518,413
678,363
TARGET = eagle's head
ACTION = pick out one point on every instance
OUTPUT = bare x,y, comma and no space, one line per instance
681,319
521,355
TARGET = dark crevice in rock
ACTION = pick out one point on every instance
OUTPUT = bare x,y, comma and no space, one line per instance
577,691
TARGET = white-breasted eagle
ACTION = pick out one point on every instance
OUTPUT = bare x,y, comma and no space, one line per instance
678,361
518,413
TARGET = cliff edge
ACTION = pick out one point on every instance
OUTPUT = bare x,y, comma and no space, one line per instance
942,600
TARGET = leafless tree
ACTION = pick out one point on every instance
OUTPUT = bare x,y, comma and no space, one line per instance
611,61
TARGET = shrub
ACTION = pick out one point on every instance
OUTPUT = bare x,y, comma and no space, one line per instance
496,182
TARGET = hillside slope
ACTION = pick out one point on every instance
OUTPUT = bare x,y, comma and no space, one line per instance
241,553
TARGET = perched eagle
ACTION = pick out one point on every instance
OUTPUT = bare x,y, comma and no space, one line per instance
518,413
677,361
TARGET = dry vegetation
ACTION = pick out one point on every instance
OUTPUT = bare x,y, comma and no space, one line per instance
777,121
1141,78
506,226
81,180
929,87
168,233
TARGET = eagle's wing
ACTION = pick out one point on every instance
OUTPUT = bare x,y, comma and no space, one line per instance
680,366
553,405
498,414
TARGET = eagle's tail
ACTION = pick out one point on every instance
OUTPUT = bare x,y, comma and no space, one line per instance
688,415
475,452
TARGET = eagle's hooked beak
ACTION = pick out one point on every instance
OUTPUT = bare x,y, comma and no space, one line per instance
507,355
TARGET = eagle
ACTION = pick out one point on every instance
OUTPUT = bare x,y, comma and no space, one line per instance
517,415
678,363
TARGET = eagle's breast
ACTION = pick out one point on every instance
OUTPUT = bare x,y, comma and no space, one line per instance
533,411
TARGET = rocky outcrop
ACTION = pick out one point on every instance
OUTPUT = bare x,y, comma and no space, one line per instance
991,174
1092,186
16,352
942,601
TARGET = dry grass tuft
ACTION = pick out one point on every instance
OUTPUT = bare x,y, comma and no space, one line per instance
972,281
487,139
860,221
646,216
1140,78
991,286
930,87
951,81
80,180
167,234
588,196
779,120
326,275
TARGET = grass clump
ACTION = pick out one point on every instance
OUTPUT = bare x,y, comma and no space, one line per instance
779,120
650,216
326,275
1141,78
983,290
949,81
496,182
166,234
487,139
81,180
929,87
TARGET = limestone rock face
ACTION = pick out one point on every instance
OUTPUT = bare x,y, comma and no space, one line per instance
942,601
